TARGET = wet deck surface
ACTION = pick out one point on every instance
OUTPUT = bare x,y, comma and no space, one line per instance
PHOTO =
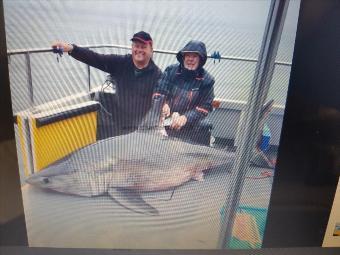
189,220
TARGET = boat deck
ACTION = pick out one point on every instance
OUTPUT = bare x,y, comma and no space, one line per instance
190,219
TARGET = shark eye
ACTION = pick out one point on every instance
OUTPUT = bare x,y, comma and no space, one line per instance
46,180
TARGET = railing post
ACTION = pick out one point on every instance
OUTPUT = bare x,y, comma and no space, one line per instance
29,78
89,77
257,95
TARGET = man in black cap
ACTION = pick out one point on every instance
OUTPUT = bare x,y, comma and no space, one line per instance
135,75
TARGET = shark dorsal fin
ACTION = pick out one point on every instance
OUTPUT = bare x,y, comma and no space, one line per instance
153,117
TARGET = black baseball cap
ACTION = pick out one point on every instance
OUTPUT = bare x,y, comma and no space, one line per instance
143,37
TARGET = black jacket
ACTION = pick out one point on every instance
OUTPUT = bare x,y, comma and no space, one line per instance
134,86
188,92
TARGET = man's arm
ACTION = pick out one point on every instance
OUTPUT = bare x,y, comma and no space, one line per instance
163,85
204,106
199,112
163,88
104,62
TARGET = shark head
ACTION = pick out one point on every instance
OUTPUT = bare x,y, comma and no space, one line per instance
66,183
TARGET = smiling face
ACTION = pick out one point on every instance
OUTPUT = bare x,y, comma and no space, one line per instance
191,60
141,53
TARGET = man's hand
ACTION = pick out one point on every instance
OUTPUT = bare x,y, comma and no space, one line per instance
65,46
166,111
178,121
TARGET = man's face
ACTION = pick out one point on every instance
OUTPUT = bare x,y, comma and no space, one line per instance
141,52
191,60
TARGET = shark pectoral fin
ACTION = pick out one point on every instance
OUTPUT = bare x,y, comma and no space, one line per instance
132,200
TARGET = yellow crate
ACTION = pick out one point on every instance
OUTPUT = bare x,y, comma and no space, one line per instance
56,140
49,135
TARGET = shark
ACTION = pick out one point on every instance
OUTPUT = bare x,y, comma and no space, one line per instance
125,166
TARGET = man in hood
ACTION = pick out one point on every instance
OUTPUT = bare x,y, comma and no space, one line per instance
135,74
188,89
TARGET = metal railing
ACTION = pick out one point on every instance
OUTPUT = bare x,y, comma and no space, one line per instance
28,52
